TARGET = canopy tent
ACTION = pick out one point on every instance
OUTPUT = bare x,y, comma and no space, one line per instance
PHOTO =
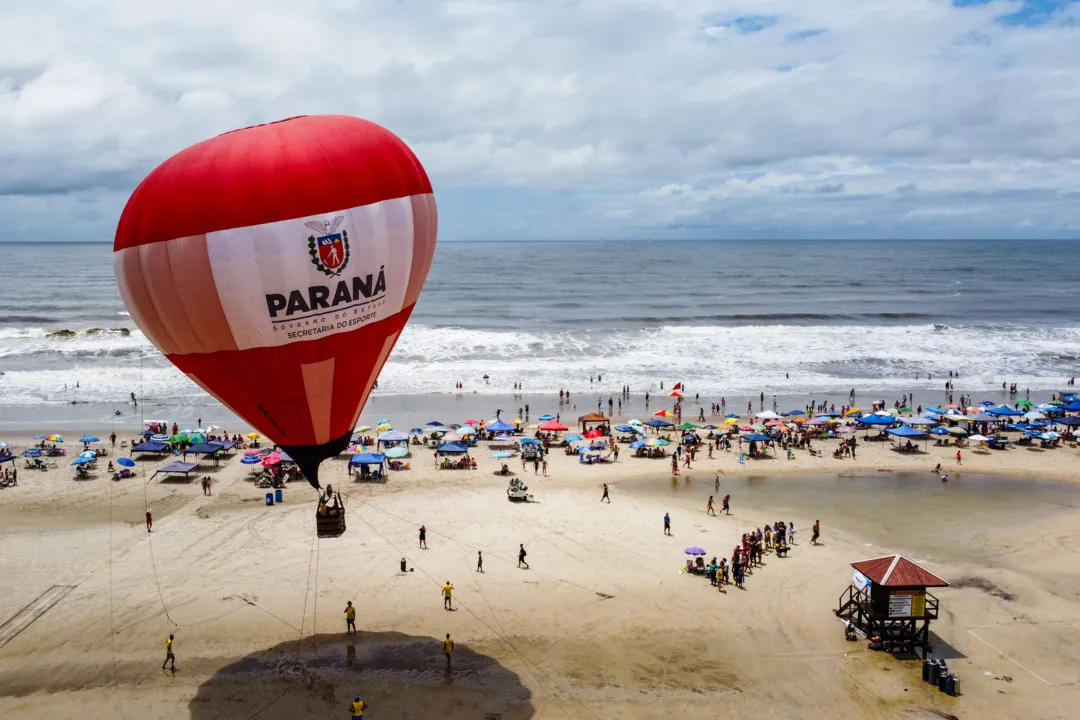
767,415
593,418
452,449
499,426
1074,406
7,457
1004,411
756,437
150,446
205,448
875,419
658,423
906,431
392,436
366,459
917,421
176,468
1069,421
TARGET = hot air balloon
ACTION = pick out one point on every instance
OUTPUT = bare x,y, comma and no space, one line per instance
276,267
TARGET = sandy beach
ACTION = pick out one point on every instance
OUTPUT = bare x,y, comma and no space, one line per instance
602,625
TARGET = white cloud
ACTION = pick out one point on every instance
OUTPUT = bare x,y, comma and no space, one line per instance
772,117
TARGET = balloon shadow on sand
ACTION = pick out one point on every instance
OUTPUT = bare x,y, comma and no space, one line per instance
398,676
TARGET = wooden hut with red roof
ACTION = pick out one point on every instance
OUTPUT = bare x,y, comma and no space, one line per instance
593,418
887,600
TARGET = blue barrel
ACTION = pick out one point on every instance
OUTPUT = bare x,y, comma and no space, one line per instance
269,498
279,496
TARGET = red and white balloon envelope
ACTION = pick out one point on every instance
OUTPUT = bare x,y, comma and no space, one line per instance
277,265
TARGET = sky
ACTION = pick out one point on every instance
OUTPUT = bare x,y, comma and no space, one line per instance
558,119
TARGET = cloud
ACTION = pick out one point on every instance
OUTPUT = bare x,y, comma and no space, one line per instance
599,118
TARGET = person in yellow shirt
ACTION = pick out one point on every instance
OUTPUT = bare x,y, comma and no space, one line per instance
447,648
357,706
350,617
447,592
169,654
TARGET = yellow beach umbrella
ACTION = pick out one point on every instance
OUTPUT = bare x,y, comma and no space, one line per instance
253,436
731,421
852,411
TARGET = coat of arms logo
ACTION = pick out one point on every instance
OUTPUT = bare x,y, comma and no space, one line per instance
329,249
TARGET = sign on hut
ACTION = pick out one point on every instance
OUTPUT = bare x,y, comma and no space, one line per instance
887,602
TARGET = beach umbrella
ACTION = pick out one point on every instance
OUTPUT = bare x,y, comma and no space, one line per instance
625,428
675,394
694,551
81,460
553,426
250,460
767,415
746,428
89,439
396,452
40,437
957,431
709,427
126,462
1025,403
904,409
573,438
939,430
473,422
178,437
55,439
211,428
853,411
688,426
731,421
32,452
978,439
433,423
358,448
501,455
1069,421
732,415
273,459
528,441
796,412
594,433
847,429
797,420
88,454
1034,415
660,442
664,414
773,423
253,436
638,444
546,417
466,430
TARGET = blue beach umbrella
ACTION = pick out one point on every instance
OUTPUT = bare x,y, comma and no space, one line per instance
545,418
709,427
626,428
126,462
251,460
89,439
638,444
732,415
694,551
416,431
573,438
89,455
81,460
435,423
396,452
501,455
795,412
939,431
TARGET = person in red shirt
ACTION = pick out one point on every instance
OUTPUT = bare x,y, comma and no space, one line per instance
817,533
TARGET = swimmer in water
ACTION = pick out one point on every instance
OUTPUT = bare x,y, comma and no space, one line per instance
944,478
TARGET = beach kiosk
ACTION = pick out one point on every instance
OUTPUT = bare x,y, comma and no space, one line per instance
888,600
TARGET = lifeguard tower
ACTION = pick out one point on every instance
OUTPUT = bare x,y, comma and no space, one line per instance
887,599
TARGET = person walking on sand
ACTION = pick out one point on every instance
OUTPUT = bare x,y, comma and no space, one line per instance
350,617
448,648
447,594
605,496
543,467
815,532
521,556
479,561
149,520
667,524
709,508
727,502
959,457
357,707
423,537
169,656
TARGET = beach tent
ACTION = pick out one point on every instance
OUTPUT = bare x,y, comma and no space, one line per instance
366,459
1004,411
1069,421
658,423
392,436
906,431
591,418
1074,406
767,415
176,468
205,448
7,457
150,446
499,426
917,421
452,449
756,437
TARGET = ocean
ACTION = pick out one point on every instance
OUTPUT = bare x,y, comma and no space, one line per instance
792,318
